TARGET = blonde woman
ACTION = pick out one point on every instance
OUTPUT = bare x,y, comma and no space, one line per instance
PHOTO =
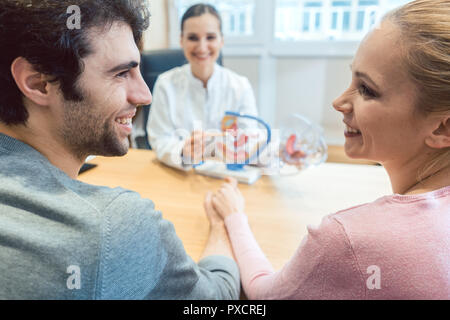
397,112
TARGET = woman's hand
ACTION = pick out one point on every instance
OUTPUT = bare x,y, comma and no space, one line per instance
228,199
194,148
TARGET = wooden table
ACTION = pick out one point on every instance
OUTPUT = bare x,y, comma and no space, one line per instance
279,208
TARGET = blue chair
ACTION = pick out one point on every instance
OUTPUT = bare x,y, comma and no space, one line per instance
153,63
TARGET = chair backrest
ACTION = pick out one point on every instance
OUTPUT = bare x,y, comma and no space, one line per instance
159,61
155,62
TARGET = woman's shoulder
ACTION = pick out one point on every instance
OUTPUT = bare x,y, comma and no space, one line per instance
399,210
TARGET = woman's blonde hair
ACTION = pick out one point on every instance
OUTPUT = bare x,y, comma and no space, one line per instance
425,29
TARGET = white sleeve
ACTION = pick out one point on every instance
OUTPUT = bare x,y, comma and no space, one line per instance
247,105
164,138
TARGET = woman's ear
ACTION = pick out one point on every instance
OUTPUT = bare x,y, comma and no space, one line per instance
31,83
440,137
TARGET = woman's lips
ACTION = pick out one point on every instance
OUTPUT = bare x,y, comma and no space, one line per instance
351,132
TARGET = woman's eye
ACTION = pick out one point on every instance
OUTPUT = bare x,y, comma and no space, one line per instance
192,38
210,38
366,91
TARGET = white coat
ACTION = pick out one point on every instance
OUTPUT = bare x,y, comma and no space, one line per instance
181,105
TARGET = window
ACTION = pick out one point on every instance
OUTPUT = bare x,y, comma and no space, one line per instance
348,20
237,15
290,27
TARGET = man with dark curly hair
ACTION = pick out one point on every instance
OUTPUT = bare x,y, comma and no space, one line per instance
68,91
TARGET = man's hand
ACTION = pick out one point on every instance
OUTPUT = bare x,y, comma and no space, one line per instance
213,216
218,241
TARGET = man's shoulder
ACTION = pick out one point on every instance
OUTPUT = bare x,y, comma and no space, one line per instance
36,181
100,197
53,218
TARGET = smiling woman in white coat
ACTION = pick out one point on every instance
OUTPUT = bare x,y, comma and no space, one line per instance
191,99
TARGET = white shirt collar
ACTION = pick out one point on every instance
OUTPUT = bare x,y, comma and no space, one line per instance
211,80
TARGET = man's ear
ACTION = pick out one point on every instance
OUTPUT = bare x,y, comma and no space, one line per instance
440,137
32,84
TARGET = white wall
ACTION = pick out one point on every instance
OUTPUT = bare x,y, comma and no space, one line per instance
157,36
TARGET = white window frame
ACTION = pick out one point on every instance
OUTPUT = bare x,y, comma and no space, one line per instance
230,40
263,41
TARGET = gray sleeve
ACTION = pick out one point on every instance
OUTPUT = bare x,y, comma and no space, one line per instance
223,273
142,258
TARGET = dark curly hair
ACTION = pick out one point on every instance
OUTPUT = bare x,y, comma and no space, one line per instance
37,30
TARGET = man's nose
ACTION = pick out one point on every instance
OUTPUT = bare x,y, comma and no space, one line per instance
140,93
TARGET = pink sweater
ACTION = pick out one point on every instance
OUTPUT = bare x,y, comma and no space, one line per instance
397,247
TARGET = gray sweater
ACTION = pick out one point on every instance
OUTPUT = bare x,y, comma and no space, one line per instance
64,239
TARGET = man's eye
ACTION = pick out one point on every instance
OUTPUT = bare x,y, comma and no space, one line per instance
192,38
212,38
123,74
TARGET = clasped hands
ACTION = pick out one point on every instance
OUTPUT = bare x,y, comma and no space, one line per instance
224,202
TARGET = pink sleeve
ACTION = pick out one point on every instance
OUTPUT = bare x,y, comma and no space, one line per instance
323,267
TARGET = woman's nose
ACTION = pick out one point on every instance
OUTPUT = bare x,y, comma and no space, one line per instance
343,104
203,45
